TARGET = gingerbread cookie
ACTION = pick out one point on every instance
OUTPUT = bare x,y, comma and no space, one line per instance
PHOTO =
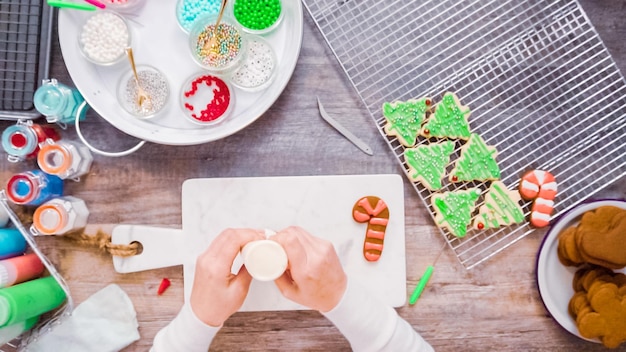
450,119
427,163
501,208
373,211
404,119
607,320
541,187
599,239
606,248
476,163
454,210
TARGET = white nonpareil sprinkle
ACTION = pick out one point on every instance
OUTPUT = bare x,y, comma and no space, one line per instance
258,66
104,37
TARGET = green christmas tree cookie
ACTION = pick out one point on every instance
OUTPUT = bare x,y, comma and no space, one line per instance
454,210
449,119
501,208
476,163
427,163
404,119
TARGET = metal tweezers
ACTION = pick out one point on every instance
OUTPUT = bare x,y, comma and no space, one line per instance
351,137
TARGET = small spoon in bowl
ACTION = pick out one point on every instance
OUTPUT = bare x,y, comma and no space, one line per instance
143,99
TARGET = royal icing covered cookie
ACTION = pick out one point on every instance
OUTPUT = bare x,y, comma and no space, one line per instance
540,186
404,119
450,120
373,211
427,163
454,210
501,208
476,163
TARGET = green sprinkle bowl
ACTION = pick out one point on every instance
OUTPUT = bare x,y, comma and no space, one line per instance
258,16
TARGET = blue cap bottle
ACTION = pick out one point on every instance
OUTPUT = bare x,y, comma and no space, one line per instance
33,187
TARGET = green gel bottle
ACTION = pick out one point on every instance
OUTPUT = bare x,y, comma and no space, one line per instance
29,299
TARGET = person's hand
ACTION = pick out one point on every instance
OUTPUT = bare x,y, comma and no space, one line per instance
216,292
314,275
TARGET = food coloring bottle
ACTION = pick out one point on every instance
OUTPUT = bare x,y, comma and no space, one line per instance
12,243
19,269
29,299
33,187
58,102
65,159
60,216
4,217
8,333
21,141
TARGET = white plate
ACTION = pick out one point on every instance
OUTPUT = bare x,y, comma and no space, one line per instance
553,278
158,41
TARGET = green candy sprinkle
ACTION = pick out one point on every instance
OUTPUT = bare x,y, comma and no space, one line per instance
257,14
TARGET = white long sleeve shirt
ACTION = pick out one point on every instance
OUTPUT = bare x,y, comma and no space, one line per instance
367,323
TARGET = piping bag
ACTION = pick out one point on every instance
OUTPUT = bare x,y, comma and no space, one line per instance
105,322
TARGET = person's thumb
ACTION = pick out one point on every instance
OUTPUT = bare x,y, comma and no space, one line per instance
242,280
286,285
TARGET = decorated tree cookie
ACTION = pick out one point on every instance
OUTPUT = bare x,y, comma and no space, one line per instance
449,120
454,209
404,119
427,163
501,208
477,162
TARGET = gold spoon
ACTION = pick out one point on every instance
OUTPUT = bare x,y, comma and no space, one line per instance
214,41
142,97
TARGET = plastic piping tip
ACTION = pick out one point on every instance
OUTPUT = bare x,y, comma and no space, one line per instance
71,5
165,283
96,3
421,285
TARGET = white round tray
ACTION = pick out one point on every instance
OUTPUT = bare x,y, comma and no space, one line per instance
553,278
157,40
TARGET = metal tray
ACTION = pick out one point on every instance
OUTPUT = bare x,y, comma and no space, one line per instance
542,87
25,35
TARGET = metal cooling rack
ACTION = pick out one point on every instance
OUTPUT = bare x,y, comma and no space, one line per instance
541,85
25,34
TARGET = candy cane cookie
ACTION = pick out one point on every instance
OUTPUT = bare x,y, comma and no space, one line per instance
542,187
374,212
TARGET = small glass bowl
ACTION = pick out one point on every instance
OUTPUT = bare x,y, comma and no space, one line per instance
241,8
124,6
230,48
188,11
104,37
206,99
153,82
258,68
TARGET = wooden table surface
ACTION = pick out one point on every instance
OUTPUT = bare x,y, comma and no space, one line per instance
493,307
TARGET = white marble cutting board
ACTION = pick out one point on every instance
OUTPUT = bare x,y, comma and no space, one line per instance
320,204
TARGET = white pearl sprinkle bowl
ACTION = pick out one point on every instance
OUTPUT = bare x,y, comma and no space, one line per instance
103,38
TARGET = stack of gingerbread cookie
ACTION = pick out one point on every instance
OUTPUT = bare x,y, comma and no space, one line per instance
599,305
599,239
598,245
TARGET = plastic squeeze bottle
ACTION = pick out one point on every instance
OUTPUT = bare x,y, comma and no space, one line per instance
10,332
12,243
29,299
19,269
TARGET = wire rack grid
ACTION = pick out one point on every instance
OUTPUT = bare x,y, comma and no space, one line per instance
541,85
25,36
